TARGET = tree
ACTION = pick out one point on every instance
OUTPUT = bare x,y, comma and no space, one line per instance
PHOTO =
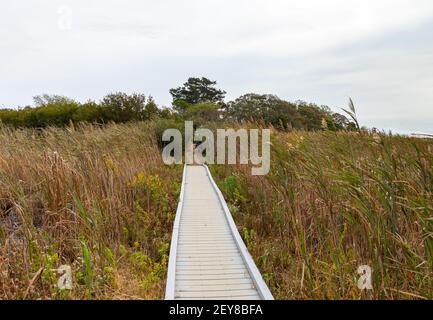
51,110
196,90
317,118
54,110
121,107
202,113
151,110
265,108
341,122
51,99
312,115
89,111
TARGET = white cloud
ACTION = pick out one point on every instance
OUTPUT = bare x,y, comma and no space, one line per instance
380,51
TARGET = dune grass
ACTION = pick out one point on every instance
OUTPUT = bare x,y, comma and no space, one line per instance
100,200
97,199
333,202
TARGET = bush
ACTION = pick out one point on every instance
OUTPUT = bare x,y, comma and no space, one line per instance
163,124
61,111
283,115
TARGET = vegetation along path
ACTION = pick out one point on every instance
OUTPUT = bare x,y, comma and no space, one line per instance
208,259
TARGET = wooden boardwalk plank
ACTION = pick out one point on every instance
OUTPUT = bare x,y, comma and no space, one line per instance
209,263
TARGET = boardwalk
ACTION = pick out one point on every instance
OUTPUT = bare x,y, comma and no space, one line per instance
208,259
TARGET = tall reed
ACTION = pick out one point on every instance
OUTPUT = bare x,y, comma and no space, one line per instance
333,202
96,198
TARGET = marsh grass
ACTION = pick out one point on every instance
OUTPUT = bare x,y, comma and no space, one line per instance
333,202
96,198
100,200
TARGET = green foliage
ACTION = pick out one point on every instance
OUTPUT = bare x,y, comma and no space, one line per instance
196,90
249,237
197,100
313,116
55,111
83,213
201,113
163,124
88,273
35,255
49,275
233,189
334,201
120,107
150,271
141,262
70,201
268,109
61,111
271,110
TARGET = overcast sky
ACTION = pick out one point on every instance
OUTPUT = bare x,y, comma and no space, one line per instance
379,52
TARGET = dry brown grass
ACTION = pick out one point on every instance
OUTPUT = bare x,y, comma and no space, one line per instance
98,199
333,202
101,200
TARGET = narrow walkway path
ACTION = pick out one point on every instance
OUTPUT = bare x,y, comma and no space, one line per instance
208,259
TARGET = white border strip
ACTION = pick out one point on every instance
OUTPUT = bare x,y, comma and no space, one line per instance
171,273
260,284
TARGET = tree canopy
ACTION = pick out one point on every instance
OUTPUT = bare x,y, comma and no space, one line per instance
198,100
266,108
197,90
54,110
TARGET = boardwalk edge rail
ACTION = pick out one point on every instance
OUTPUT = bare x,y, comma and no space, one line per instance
171,281
256,277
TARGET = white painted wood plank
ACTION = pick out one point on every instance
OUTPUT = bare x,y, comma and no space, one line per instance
211,277
213,282
217,294
209,264
190,287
